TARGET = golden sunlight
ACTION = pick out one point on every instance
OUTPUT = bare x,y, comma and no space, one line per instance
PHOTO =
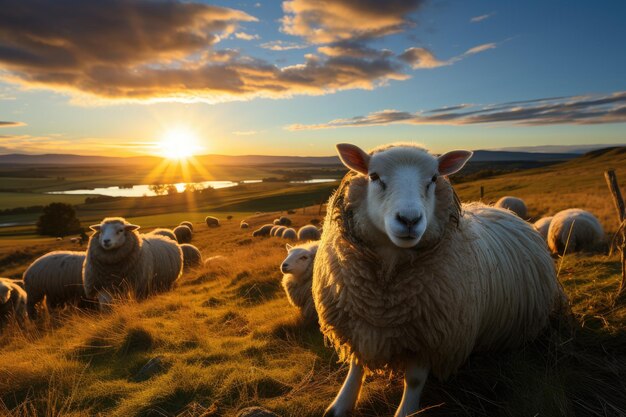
178,143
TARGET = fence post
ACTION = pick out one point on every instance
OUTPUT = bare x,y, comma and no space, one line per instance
618,200
482,192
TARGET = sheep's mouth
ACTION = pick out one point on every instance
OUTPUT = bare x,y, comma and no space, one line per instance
407,237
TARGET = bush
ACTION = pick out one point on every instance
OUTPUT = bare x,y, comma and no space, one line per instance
58,219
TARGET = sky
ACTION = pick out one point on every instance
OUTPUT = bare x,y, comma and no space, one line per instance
116,77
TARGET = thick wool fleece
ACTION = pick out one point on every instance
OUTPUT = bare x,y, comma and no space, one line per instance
478,280
581,228
16,304
298,288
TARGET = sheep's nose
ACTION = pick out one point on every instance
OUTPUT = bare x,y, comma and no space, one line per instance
284,267
408,222
106,241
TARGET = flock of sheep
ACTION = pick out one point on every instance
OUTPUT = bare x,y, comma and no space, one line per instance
403,277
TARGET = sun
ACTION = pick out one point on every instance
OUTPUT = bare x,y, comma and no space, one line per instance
178,143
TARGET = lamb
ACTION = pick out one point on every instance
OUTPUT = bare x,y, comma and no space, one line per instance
298,274
263,230
516,205
289,233
543,225
188,224
284,221
120,260
164,232
244,225
212,221
308,232
57,276
586,231
13,301
191,256
183,234
407,278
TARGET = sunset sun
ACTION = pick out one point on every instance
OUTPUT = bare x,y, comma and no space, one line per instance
178,143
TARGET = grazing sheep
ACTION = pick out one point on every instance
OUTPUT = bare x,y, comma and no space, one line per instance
516,205
13,301
273,230
290,234
183,234
280,231
263,230
188,224
244,225
586,231
308,232
406,278
120,260
212,221
542,226
165,233
298,275
57,276
191,256
285,221
276,222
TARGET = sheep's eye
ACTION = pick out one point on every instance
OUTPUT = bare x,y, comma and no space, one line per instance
374,176
119,231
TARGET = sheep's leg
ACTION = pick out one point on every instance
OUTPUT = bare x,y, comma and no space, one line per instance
414,380
104,300
349,393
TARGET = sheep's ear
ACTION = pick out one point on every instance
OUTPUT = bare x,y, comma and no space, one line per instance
453,161
131,227
95,227
353,157
288,247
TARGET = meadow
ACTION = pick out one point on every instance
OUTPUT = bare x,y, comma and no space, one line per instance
226,337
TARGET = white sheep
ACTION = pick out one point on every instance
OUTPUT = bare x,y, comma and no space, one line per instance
188,224
289,233
516,205
279,232
586,231
183,234
57,277
244,225
212,221
308,232
13,301
168,233
542,226
297,279
263,230
192,257
120,260
285,221
276,222
273,230
406,278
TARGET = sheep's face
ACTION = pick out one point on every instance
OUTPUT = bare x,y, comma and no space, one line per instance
113,233
401,198
5,293
298,260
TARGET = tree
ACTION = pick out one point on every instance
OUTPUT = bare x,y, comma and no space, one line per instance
58,219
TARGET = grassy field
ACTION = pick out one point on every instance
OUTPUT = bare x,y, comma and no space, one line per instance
226,338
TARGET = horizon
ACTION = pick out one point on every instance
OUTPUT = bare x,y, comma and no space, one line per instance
295,77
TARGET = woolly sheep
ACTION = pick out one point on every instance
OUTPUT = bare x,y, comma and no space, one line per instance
542,226
191,256
586,231
212,221
276,222
402,267
244,225
263,230
183,234
120,260
273,230
516,205
280,231
57,276
13,301
188,224
298,274
164,232
290,233
308,232
285,221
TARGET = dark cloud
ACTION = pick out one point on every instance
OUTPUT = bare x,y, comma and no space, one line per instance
11,124
609,108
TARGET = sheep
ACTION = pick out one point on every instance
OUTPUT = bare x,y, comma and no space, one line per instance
542,226
244,225
276,222
586,231
188,224
13,301
290,234
168,233
212,221
57,276
280,231
284,221
291,211
298,273
183,234
315,222
308,232
263,230
407,278
120,260
273,230
516,205
191,256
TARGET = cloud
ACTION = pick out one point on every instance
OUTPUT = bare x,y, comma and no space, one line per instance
245,132
11,124
326,21
52,143
482,17
246,36
581,110
422,58
283,45
480,48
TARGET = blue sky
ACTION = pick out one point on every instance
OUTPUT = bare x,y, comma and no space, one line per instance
92,103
